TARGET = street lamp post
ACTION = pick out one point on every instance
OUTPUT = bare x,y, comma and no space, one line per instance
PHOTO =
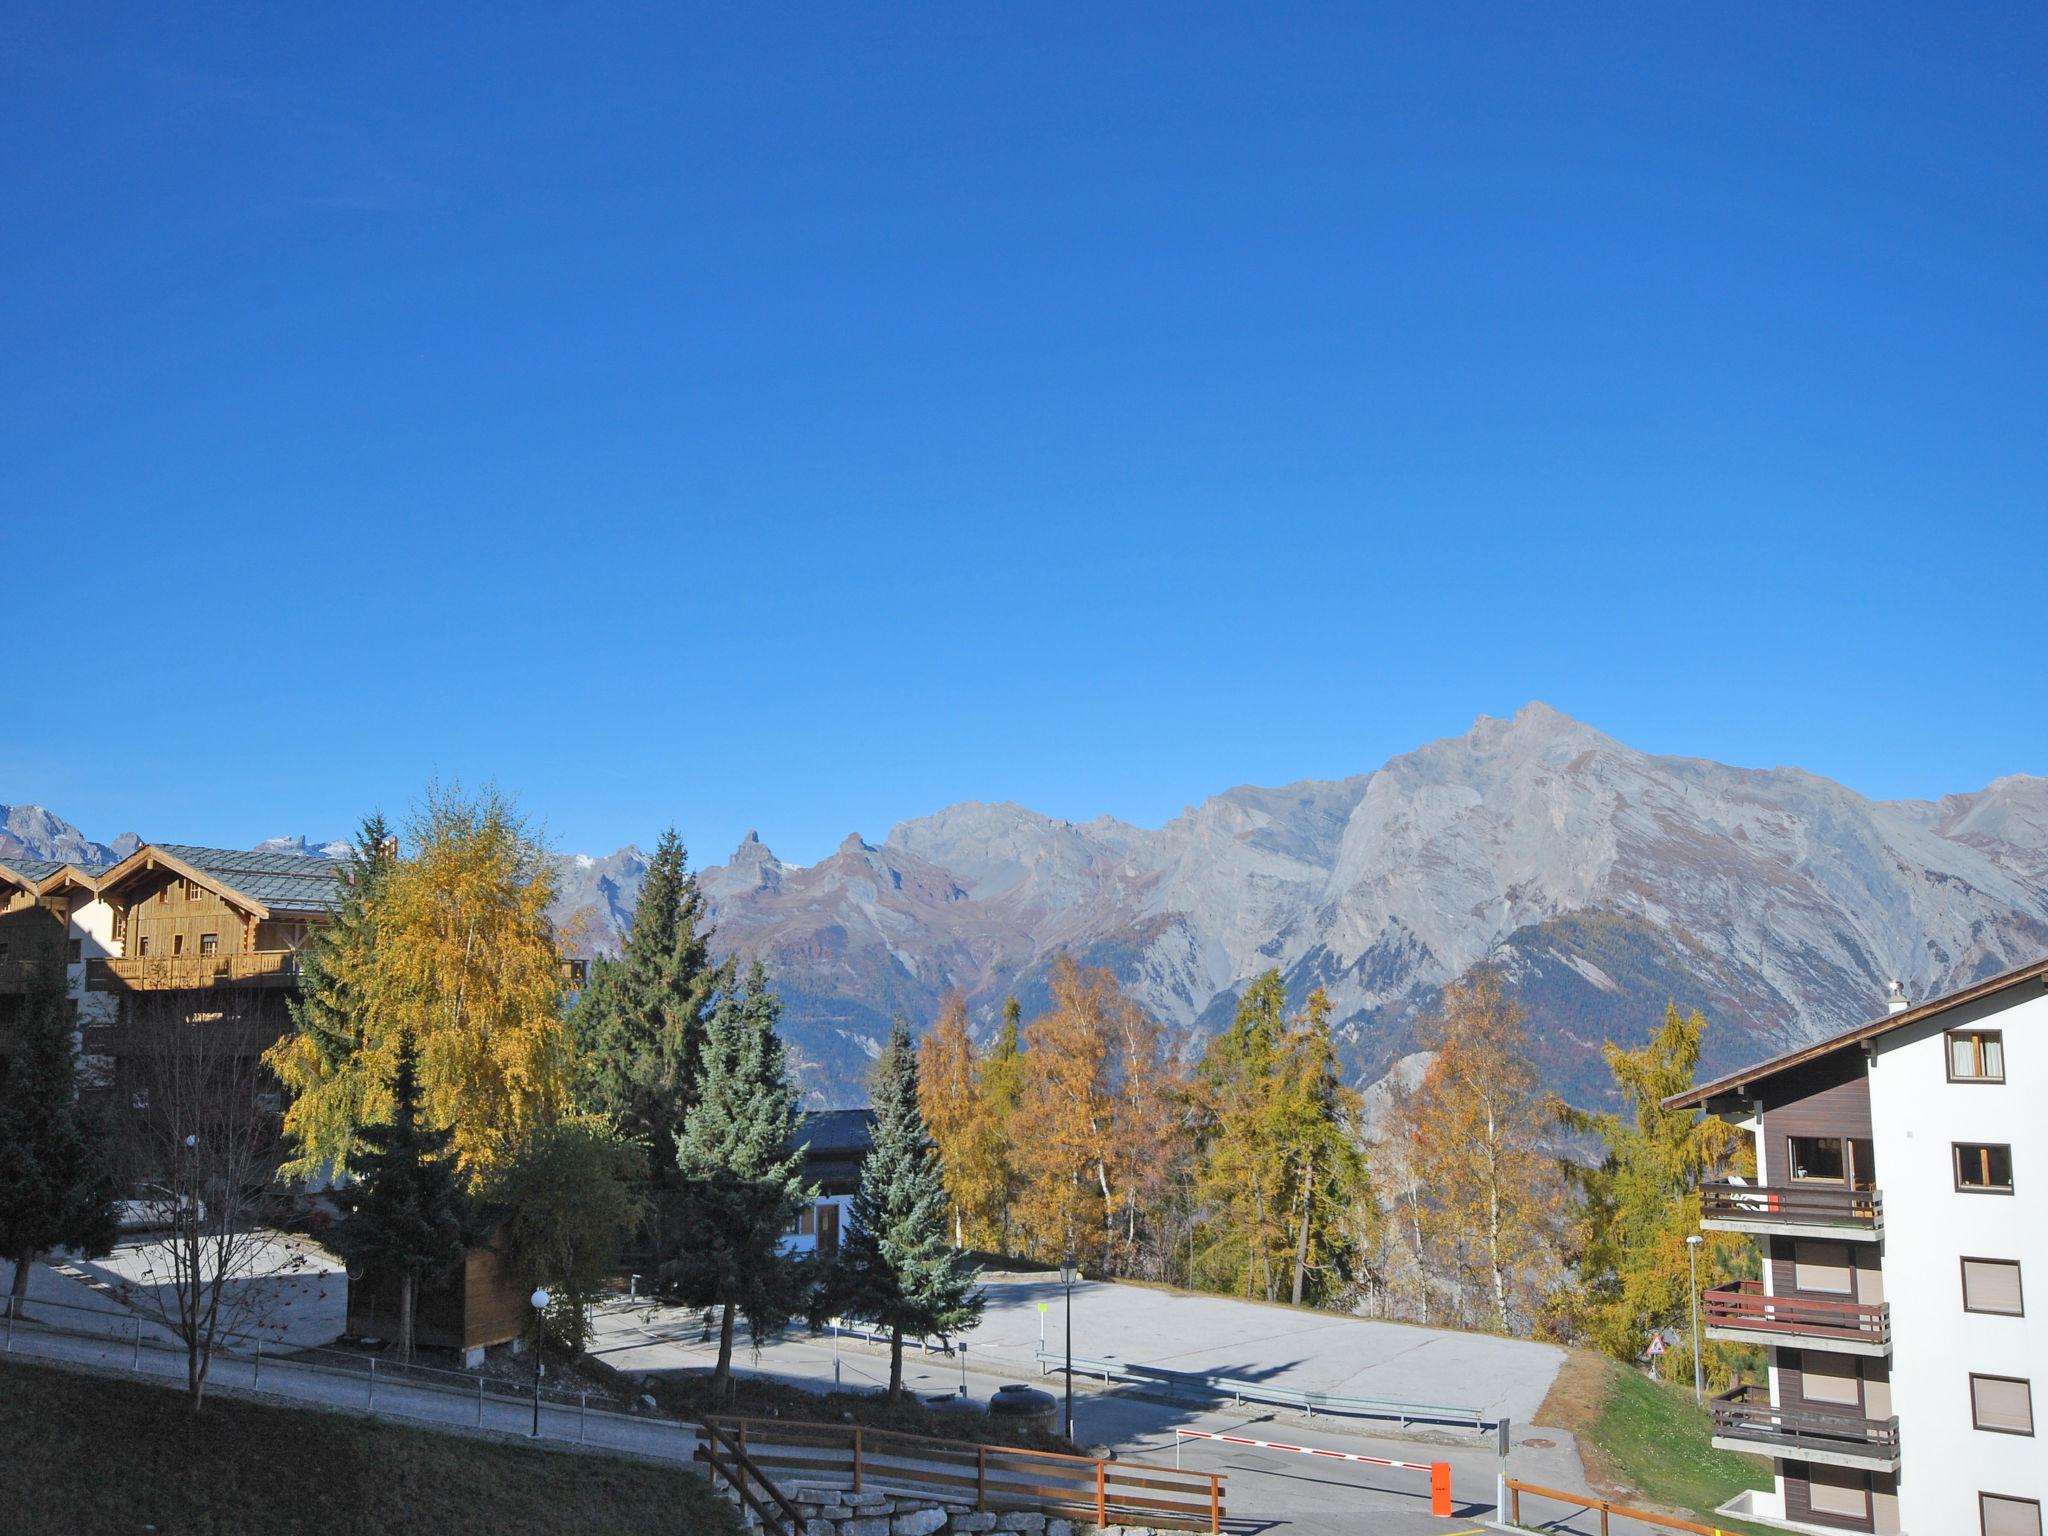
540,1300
1068,1273
1692,1264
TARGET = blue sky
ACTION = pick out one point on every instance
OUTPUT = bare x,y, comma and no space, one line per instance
803,418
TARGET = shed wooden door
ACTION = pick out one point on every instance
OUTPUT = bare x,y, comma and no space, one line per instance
828,1227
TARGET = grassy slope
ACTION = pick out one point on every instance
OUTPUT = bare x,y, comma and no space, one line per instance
1645,1442
96,1453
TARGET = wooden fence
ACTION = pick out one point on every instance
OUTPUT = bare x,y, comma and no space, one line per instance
727,1455
1605,1507
991,1477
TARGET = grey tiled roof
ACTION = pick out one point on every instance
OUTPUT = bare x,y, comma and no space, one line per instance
829,1132
33,869
292,881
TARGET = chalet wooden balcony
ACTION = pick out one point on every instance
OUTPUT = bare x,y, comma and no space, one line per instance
1794,1210
1742,1314
1745,1420
180,973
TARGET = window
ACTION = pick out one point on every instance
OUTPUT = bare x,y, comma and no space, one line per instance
2002,1403
209,943
1825,1268
177,943
1992,1285
2000,1514
74,951
140,1100
1838,1491
269,1102
142,945
191,891
1830,1379
1985,1167
1976,1056
1817,1158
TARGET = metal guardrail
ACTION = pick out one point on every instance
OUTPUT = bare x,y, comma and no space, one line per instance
274,1368
1186,1384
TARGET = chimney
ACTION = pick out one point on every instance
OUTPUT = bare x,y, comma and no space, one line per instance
1897,1002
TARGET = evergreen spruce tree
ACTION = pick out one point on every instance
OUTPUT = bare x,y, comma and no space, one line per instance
640,1023
330,1012
408,1216
56,1179
897,1270
741,1176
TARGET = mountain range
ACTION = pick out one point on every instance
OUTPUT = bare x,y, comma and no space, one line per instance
1601,879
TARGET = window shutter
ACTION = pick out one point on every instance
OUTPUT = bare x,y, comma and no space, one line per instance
1837,1491
1992,1285
1823,1267
2002,1404
2005,1516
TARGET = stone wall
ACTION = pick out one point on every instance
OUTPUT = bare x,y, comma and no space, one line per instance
839,1512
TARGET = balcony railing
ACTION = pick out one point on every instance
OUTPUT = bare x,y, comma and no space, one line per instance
168,973
1834,1209
1744,1419
1743,1312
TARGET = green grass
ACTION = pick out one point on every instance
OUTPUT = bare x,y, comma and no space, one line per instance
1659,1443
97,1453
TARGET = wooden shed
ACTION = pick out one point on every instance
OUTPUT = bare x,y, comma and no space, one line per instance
481,1302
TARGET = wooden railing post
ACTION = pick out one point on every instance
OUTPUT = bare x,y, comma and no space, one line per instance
1603,1517
856,1458
1514,1504
1215,1505
981,1477
1101,1495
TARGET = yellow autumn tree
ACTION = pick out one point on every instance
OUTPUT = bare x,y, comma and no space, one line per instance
460,955
946,1096
1102,1107
1492,1199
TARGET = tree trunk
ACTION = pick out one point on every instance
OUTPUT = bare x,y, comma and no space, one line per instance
1493,1226
1259,1235
408,1285
721,1379
1308,1204
18,1297
895,1362
1415,1229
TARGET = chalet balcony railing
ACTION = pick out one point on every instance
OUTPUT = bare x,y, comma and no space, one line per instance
1744,1308
1769,1207
1746,1414
177,973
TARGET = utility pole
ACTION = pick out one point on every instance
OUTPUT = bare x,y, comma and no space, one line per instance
1692,1249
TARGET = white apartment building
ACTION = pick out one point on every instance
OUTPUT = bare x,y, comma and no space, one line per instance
1901,1202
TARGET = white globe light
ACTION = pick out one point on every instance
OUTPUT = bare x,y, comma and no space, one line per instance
540,1299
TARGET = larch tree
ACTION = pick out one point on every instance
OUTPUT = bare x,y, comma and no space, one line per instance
1315,1115
460,957
897,1269
57,1182
1243,1164
1636,1208
1099,1099
949,1100
742,1176
999,1088
408,1216
1493,1198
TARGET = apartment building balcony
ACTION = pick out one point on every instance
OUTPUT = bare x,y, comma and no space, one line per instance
177,973
1746,1420
1742,1314
1794,1210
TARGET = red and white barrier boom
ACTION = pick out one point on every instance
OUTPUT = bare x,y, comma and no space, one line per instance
1439,1471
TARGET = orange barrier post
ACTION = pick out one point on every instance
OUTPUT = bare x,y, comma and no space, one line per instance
1440,1488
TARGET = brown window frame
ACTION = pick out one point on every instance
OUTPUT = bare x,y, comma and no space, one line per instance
1948,1056
209,944
1792,1161
1994,1429
2019,1279
1983,1524
1956,1167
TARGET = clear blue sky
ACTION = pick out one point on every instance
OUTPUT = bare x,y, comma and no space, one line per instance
805,417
